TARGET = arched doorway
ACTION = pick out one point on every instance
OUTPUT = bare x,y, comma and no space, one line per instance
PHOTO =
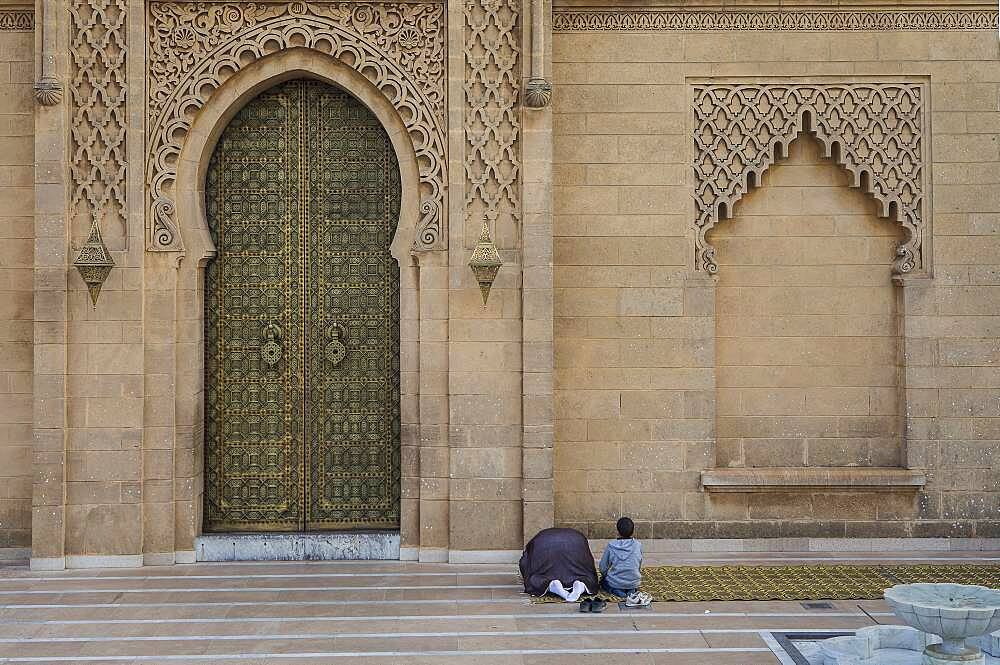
302,415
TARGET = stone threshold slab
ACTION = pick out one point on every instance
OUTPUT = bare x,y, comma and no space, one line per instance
374,545
792,479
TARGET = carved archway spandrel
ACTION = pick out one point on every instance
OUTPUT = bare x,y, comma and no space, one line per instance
874,130
196,47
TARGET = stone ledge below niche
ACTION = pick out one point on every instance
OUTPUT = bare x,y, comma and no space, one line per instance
797,479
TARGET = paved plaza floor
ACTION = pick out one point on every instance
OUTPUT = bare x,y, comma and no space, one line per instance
394,613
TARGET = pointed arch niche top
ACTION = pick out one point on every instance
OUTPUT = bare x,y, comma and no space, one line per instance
875,130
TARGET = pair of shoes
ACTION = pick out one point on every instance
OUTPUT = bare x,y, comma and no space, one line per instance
595,605
638,599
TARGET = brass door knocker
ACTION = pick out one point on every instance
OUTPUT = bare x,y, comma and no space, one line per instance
271,350
335,350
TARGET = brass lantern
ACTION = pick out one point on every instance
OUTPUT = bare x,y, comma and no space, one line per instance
94,262
485,261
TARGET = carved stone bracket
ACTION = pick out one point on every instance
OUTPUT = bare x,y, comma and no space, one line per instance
874,130
537,93
196,47
48,91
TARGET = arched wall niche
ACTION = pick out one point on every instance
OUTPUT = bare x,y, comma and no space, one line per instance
187,344
807,323
875,130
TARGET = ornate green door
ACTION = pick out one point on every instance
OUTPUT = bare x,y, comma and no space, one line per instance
302,317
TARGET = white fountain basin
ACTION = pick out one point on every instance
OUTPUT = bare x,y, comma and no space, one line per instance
891,645
953,611
877,645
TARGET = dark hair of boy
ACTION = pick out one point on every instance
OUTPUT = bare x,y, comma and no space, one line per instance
626,527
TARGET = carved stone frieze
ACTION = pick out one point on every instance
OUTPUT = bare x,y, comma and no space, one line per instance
17,20
492,124
195,47
874,130
870,19
97,93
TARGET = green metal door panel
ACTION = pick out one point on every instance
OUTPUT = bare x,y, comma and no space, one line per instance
302,317
352,408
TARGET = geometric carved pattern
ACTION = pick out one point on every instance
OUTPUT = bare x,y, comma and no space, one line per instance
17,20
98,30
868,19
874,130
302,317
492,82
196,47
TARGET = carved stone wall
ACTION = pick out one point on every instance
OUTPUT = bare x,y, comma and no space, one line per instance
492,126
874,130
195,48
98,161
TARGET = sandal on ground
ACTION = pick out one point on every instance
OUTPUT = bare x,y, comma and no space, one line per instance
585,605
597,606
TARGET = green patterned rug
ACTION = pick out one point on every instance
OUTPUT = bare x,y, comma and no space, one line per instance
704,583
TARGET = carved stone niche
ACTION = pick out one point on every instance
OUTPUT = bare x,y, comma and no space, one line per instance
877,131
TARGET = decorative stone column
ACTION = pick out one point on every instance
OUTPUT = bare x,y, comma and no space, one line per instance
485,341
51,258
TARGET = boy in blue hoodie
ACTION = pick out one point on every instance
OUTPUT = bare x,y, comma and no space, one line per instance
620,565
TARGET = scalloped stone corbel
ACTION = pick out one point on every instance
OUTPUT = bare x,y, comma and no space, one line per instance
537,93
48,91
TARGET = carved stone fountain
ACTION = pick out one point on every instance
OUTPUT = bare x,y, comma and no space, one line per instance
946,624
955,612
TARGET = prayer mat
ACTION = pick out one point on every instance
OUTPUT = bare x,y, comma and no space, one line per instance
705,583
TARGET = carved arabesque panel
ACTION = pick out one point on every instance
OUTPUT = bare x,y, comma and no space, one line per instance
874,130
196,47
97,92
492,125
17,20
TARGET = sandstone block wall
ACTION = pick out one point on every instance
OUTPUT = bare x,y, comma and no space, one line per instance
649,355
16,286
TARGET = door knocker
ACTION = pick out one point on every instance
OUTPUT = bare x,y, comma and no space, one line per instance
271,349
335,350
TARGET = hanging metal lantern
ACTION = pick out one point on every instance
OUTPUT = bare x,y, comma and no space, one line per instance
94,262
485,261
